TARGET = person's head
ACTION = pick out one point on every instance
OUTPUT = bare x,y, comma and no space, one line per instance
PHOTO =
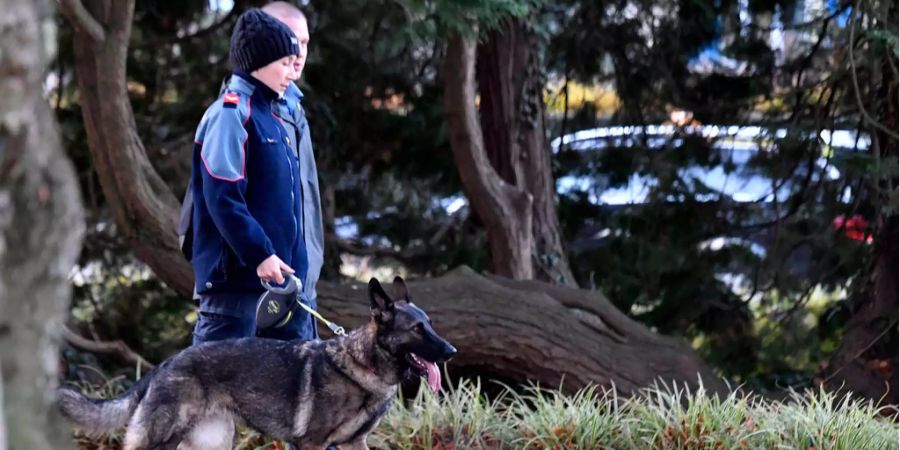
264,48
294,18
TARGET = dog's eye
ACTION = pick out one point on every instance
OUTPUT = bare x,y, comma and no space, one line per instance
420,328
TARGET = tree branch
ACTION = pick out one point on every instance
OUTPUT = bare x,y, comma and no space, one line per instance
143,205
856,89
349,246
458,218
82,19
117,348
354,247
225,20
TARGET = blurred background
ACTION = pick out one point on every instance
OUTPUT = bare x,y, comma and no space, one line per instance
723,172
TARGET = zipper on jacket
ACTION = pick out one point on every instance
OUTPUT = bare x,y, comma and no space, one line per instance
287,151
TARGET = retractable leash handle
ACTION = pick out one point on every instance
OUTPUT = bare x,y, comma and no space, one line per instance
292,284
275,307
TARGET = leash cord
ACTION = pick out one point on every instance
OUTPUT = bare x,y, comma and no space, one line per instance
336,329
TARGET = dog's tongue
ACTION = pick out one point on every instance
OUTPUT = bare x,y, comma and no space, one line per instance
431,371
434,375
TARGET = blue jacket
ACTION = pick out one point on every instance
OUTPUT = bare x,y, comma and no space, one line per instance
247,175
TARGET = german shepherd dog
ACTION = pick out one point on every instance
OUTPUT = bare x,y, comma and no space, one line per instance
313,394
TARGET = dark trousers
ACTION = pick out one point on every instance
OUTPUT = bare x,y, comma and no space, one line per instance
228,316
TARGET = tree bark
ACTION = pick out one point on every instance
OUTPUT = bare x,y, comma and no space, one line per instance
498,68
511,133
550,260
41,228
505,209
866,363
530,331
144,207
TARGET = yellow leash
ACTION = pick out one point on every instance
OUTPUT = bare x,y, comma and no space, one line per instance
336,329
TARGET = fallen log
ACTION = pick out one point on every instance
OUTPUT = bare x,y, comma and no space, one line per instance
529,331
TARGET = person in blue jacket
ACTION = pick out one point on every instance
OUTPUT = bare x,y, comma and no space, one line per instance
247,212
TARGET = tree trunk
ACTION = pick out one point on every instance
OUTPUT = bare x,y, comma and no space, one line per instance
512,135
866,363
331,268
144,208
524,331
41,228
505,209
498,70
550,259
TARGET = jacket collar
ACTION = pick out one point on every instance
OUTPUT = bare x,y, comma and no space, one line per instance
293,93
247,84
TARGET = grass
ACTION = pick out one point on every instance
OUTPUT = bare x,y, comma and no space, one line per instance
660,417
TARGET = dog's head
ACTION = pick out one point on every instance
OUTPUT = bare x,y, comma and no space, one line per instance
405,332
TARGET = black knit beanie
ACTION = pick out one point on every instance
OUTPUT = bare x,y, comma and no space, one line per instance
259,39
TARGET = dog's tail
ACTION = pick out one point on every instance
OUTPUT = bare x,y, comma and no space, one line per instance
98,415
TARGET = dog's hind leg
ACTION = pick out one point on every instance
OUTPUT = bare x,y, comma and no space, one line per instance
307,446
138,439
135,442
215,432
155,424
359,444
171,444
136,434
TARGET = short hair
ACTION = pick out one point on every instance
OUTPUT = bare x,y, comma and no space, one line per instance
283,10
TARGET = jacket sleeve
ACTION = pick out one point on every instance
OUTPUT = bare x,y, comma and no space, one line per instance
224,184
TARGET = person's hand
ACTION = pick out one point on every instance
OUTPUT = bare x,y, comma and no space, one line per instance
270,269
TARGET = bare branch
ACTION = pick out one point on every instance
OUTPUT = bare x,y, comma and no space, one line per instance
356,248
349,246
861,352
117,348
856,90
456,219
82,19
227,19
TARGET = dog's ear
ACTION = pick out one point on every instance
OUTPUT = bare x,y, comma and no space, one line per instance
401,293
381,302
